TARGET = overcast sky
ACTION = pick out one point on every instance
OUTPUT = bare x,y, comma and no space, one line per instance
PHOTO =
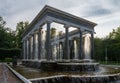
106,13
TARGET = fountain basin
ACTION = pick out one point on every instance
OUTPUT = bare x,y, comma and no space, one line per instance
64,65
69,66
106,74
78,79
32,63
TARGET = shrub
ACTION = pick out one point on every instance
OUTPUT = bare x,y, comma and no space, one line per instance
9,53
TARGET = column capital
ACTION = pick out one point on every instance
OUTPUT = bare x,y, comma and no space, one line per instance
35,32
82,29
30,35
49,21
23,40
26,38
40,27
92,32
66,26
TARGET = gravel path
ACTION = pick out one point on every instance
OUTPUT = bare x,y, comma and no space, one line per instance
6,76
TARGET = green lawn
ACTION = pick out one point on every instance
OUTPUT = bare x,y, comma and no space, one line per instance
6,60
110,62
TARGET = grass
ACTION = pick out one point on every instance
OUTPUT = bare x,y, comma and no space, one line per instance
7,60
110,62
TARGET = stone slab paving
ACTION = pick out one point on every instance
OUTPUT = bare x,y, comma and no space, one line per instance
6,76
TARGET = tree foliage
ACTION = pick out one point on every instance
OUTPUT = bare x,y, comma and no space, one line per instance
20,28
111,43
9,53
6,35
53,32
10,39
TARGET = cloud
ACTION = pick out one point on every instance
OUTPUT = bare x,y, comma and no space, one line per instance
16,10
104,12
27,15
106,23
11,7
96,11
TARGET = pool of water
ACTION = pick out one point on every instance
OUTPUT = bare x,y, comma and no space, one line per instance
31,73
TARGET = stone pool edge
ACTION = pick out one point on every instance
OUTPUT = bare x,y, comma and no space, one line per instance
18,75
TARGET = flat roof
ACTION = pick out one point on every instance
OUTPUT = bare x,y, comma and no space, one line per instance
47,8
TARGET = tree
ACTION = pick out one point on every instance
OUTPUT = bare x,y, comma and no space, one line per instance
99,49
114,45
53,32
2,22
117,34
3,33
61,33
20,28
10,41
111,43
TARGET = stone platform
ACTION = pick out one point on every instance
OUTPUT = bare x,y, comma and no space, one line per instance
69,66
63,65
32,64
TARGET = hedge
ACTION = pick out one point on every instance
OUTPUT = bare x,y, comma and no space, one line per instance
9,53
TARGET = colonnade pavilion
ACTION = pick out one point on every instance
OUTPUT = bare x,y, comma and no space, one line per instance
43,41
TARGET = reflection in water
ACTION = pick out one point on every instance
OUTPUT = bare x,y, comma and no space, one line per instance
37,73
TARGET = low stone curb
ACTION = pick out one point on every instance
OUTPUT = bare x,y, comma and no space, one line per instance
19,75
